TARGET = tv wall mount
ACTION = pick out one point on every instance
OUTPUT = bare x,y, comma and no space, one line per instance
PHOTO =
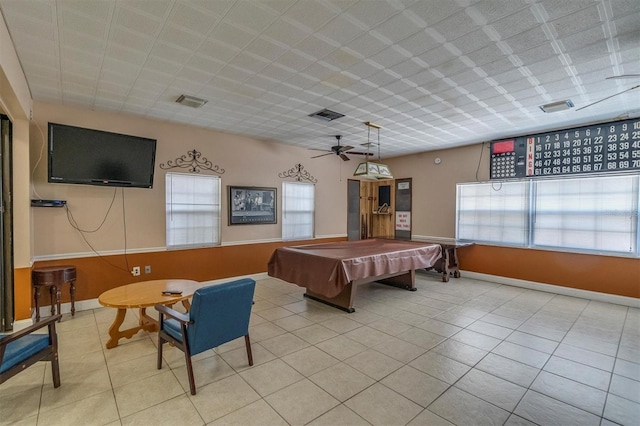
194,162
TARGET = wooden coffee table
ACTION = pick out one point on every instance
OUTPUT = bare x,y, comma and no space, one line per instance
143,295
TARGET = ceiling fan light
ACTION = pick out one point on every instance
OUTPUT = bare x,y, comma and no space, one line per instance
557,106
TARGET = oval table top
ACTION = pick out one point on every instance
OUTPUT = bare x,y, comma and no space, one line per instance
144,294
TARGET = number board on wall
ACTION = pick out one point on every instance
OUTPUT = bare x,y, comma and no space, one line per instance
606,147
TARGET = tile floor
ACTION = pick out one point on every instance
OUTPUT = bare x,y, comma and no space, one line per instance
464,352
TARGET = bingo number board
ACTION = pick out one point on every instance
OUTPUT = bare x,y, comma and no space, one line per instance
599,148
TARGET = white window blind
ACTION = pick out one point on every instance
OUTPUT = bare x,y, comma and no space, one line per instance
599,213
493,212
192,210
298,210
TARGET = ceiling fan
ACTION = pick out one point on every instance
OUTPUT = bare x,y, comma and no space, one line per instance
615,94
339,150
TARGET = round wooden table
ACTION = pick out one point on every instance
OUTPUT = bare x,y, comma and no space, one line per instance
143,295
54,277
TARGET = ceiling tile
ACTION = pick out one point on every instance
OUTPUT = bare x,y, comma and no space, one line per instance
456,26
397,28
577,21
371,14
433,12
250,16
286,33
194,20
516,23
137,22
340,31
472,41
311,14
494,10
225,33
179,37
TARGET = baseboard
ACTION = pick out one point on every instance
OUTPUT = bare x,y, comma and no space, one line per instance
557,289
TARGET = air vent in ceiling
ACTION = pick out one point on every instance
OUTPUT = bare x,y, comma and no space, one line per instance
190,101
326,114
557,106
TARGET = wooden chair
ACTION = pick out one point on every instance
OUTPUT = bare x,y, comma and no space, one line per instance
219,313
24,348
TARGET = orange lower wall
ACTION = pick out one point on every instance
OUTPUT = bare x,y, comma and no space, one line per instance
22,293
95,276
604,274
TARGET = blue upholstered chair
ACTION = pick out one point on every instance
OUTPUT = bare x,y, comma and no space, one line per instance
219,313
24,348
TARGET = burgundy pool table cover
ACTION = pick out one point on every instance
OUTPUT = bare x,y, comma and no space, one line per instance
328,268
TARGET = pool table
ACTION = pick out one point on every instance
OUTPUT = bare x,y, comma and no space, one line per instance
331,272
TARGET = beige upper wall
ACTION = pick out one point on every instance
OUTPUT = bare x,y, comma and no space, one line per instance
15,97
15,102
246,161
434,185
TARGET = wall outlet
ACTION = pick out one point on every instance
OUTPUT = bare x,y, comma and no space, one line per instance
147,269
135,271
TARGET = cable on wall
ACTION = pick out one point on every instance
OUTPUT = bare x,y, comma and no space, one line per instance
479,160
74,224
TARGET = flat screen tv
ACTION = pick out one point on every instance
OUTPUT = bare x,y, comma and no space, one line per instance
95,157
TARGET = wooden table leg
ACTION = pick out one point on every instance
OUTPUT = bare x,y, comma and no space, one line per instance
445,265
72,290
114,330
145,323
36,296
54,293
186,304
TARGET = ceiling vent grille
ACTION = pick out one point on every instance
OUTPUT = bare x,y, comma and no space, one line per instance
326,114
190,101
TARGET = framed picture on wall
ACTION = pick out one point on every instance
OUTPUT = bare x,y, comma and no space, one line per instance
252,205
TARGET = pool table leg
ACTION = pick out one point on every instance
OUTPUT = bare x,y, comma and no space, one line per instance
343,301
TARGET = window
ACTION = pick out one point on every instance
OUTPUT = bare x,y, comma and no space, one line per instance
193,210
593,213
298,209
493,212
590,214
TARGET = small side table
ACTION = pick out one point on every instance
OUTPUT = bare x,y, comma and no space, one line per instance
54,277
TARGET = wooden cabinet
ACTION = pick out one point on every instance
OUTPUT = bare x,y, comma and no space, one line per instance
375,220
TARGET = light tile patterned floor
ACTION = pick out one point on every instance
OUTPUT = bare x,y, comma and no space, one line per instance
464,352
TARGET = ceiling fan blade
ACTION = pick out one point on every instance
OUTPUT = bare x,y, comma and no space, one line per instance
359,153
344,148
609,97
623,76
322,155
344,157
316,149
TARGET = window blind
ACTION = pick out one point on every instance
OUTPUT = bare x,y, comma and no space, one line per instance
192,210
587,213
493,212
298,210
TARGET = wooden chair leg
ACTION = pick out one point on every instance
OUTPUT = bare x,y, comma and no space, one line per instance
192,381
248,345
55,366
160,343
55,370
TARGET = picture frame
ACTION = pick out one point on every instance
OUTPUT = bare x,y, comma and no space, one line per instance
252,205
